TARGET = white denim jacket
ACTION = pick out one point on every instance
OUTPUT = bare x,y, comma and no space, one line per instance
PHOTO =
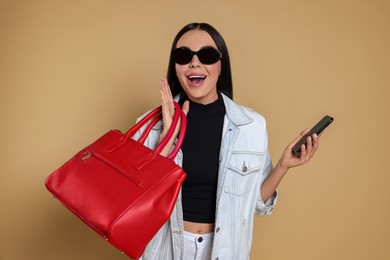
244,164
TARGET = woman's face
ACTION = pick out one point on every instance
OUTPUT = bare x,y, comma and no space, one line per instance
199,81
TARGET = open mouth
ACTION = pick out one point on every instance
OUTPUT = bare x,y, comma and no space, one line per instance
196,79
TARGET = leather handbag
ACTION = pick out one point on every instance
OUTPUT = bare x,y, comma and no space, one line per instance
120,188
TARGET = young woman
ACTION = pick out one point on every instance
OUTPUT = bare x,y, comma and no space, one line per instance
230,177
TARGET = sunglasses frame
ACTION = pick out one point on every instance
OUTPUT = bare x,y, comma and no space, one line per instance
196,53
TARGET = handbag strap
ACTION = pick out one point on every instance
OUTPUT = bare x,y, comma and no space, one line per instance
147,130
171,130
180,139
171,156
132,131
153,117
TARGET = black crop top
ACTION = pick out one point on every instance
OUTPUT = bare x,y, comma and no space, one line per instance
201,148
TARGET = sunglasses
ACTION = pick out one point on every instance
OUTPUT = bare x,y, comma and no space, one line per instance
206,55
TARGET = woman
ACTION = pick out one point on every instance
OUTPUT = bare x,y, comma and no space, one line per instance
225,155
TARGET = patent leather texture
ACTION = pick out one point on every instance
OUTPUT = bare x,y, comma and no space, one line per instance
120,188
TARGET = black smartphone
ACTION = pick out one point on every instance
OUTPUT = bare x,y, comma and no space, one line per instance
318,128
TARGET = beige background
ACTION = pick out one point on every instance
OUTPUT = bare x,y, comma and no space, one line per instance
72,70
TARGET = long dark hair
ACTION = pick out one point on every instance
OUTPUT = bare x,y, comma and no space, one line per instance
224,84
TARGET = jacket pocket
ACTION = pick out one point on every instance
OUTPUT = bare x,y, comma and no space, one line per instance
242,170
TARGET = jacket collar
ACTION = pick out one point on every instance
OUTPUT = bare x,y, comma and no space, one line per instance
235,112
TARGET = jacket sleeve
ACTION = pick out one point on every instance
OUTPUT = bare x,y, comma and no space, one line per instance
266,207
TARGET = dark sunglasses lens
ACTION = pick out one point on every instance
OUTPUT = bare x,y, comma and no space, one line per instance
209,55
182,56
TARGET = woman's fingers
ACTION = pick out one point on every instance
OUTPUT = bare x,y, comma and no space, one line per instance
308,150
289,159
309,145
291,145
167,106
186,107
163,95
168,96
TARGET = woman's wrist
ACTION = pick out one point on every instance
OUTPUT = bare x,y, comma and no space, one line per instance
280,169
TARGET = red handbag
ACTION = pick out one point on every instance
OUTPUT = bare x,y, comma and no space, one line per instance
120,188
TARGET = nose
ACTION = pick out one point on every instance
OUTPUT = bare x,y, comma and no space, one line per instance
195,62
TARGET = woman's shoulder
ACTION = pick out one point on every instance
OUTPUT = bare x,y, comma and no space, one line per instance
253,113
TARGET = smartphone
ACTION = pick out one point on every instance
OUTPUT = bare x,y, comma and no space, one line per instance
318,128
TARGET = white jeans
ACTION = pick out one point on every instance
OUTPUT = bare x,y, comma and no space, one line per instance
198,246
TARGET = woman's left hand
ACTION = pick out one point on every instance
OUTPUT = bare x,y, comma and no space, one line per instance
289,159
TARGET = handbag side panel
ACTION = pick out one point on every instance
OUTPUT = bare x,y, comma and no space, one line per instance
141,221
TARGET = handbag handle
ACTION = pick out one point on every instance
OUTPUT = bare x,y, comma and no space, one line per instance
180,139
179,114
132,131
154,116
147,130
171,156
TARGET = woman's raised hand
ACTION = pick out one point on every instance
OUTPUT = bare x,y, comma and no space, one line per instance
168,110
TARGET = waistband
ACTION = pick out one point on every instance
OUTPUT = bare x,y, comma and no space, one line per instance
195,237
